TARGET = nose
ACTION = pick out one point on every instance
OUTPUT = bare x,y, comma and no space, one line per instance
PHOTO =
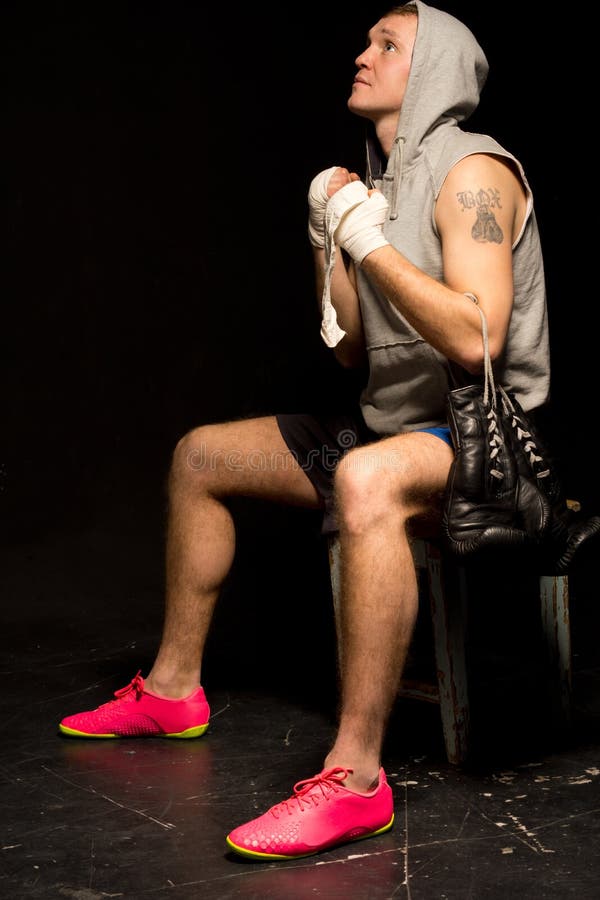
362,60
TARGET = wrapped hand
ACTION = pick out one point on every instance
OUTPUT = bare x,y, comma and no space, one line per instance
317,205
354,220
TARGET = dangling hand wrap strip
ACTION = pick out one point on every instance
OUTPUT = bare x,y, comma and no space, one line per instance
355,222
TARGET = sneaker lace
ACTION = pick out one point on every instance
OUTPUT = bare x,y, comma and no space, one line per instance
136,684
327,782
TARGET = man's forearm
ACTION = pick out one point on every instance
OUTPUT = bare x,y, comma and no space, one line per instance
443,317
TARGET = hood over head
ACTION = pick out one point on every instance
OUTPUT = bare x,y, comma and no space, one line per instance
447,73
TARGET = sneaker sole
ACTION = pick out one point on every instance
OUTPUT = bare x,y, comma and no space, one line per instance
195,732
255,854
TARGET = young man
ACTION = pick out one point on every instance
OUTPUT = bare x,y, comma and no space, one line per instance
443,214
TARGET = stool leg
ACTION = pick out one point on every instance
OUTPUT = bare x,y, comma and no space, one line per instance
554,600
334,574
448,599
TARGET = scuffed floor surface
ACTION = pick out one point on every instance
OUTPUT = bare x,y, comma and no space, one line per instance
85,820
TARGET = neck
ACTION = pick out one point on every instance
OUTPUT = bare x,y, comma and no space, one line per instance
385,129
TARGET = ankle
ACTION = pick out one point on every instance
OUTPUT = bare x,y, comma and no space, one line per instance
364,776
175,686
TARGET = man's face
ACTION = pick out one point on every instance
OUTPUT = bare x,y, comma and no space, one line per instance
383,68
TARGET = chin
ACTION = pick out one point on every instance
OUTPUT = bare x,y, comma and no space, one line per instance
357,109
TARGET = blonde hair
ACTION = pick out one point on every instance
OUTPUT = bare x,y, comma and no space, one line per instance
407,9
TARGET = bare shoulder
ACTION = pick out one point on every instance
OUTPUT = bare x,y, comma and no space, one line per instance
486,185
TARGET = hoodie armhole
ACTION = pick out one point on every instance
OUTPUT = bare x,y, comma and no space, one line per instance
519,172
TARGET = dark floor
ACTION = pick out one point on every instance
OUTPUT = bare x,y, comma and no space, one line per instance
147,819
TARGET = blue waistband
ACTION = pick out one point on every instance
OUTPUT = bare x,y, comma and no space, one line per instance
441,432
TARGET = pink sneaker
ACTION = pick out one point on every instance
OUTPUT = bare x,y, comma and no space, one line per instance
138,713
321,814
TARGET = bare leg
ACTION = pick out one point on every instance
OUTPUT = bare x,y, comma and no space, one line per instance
380,489
245,458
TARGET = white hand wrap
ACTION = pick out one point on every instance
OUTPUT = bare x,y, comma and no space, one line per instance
317,205
359,218
355,222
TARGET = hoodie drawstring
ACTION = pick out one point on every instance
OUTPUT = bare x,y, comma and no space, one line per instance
396,176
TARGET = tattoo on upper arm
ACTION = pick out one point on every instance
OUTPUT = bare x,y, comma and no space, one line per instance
486,228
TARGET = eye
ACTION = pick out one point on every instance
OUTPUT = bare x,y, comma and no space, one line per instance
388,47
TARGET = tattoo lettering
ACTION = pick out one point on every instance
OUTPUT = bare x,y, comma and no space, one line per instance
485,229
469,200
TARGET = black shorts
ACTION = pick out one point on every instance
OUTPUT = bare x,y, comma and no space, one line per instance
319,442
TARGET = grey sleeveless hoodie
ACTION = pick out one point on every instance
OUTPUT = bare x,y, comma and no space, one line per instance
408,379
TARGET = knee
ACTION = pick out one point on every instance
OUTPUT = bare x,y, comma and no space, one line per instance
193,460
366,492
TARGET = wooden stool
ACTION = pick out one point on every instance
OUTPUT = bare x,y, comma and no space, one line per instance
447,588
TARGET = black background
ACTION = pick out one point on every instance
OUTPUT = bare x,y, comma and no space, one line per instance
158,275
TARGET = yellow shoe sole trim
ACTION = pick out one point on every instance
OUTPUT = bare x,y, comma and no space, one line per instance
255,854
196,731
